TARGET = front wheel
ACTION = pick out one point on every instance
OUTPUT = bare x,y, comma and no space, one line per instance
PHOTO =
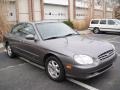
55,69
10,53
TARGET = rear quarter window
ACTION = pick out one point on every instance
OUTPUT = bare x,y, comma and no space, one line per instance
111,22
94,21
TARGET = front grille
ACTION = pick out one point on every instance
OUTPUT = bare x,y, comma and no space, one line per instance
106,55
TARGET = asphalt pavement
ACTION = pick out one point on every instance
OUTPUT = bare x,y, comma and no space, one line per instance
16,74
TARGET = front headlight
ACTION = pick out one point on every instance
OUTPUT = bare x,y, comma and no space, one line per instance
83,59
113,46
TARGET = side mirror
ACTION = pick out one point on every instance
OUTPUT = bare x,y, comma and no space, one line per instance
30,37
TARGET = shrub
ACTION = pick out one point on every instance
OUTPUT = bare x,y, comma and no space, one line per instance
69,23
80,25
4,25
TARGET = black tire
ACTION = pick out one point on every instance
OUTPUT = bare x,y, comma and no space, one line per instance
61,74
9,51
96,30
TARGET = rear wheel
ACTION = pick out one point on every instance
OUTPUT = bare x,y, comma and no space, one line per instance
10,53
55,69
96,30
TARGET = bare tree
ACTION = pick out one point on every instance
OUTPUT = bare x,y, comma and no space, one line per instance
4,25
118,2
117,9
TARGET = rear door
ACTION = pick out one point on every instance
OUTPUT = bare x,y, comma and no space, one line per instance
103,25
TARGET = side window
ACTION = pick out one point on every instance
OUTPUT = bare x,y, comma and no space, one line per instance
28,29
111,22
16,29
103,22
22,30
95,22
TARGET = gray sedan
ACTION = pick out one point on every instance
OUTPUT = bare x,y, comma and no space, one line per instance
60,50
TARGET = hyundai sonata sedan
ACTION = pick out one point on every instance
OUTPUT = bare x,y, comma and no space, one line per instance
60,50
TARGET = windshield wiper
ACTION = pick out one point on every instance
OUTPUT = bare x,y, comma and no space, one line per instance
71,34
52,38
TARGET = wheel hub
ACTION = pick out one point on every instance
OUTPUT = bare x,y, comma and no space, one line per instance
53,69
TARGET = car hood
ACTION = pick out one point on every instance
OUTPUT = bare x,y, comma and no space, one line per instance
73,45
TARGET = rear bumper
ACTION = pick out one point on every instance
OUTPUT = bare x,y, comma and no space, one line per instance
90,28
86,73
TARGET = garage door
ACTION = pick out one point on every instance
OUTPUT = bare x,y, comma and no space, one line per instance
56,10
81,9
81,13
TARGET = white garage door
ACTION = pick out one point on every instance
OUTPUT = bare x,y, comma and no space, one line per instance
55,12
12,11
81,9
81,13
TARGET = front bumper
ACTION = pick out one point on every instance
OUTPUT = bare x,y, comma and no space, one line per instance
87,72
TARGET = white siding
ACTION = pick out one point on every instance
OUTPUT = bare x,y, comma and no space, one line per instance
23,10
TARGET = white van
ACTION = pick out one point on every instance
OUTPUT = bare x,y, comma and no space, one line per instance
98,25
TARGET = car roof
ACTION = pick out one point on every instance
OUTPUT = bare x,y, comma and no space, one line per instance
104,19
45,21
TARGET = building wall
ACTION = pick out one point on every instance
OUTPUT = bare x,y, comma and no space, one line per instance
37,10
23,10
109,14
98,14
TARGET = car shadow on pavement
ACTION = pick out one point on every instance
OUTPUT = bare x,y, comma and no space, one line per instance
111,33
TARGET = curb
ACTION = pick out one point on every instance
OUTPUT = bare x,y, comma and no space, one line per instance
85,32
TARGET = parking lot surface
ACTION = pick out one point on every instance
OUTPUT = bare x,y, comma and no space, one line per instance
15,74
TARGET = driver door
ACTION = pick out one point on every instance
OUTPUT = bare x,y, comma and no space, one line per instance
30,48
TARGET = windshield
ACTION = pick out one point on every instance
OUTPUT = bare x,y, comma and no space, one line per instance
118,21
52,30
